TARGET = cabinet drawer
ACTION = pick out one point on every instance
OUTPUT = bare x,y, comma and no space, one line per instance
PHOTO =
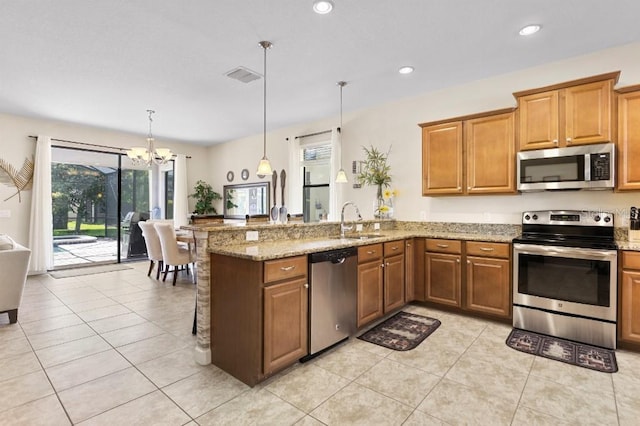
393,247
480,248
280,269
370,252
631,260
444,246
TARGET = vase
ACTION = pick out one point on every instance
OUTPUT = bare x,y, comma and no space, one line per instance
379,205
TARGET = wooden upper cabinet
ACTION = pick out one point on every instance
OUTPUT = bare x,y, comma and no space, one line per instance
579,112
490,154
474,154
442,159
629,139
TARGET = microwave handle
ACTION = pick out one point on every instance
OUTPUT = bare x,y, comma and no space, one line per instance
587,167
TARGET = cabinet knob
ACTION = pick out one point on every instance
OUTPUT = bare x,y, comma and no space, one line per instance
408,244
469,262
382,265
457,260
394,248
386,264
555,141
568,140
306,285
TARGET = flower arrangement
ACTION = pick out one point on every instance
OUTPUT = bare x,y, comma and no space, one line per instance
375,170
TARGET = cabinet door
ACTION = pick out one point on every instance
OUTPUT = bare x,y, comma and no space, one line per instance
588,113
630,307
442,166
629,141
488,286
539,119
442,278
393,282
285,324
409,270
369,292
490,154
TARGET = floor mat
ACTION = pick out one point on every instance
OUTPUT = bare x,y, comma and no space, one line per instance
579,354
90,270
401,332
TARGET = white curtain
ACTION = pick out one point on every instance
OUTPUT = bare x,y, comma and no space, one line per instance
335,189
294,178
180,192
41,224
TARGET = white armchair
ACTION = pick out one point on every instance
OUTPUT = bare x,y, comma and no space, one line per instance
14,264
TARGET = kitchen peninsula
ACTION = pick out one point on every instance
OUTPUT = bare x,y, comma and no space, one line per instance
217,243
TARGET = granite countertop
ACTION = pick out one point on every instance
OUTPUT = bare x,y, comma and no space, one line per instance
284,248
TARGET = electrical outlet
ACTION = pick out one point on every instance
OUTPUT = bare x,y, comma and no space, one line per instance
252,235
5,213
358,227
423,215
376,226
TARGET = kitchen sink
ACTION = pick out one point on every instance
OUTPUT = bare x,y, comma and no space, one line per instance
359,236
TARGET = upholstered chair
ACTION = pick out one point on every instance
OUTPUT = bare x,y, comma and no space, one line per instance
154,249
172,253
14,264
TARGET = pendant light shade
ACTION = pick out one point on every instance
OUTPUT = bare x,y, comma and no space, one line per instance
341,177
264,167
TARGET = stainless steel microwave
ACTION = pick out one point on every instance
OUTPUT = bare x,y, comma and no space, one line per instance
577,167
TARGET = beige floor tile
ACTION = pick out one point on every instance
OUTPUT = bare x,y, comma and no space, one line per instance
418,418
151,348
172,367
35,306
347,362
526,416
202,392
357,405
487,349
10,331
134,296
18,365
629,408
41,314
572,375
50,324
401,382
459,404
114,323
69,351
79,295
367,346
488,376
569,404
91,304
135,333
152,409
257,406
14,347
46,411
428,357
105,312
60,335
308,421
82,370
307,386
95,397
22,389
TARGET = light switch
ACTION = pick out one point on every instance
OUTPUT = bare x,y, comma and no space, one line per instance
358,227
376,226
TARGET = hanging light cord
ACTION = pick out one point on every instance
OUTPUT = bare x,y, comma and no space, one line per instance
150,111
265,45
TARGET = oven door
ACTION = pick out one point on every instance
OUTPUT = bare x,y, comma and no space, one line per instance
576,281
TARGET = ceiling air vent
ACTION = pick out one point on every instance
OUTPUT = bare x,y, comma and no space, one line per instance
243,74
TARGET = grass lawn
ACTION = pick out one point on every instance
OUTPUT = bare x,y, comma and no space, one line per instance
95,230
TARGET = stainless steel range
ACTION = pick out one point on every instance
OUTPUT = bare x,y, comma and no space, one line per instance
564,276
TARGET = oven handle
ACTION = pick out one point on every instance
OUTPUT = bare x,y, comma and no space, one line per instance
572,252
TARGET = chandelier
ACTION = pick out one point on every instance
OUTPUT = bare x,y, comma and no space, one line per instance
149,155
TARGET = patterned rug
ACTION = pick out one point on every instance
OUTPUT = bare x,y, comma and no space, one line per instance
579,354
401,332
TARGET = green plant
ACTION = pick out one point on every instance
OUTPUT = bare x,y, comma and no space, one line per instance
375,170
204,195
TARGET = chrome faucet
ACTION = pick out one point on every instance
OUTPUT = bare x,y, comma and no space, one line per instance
344,227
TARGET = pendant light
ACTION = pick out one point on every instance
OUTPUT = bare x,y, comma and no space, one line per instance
149,155
264,167
341,177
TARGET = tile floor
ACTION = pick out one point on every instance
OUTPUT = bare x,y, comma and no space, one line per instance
116,348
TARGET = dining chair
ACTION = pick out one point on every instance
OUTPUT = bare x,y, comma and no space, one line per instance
154,249
172,253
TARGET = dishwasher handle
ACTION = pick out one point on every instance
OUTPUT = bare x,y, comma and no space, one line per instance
334,256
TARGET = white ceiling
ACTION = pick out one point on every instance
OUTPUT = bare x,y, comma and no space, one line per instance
104,62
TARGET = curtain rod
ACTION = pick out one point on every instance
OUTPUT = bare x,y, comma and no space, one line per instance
88,144
315,134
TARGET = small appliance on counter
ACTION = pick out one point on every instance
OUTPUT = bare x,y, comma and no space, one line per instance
634,224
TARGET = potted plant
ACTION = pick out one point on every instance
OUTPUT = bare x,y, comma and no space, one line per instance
204,195
376,171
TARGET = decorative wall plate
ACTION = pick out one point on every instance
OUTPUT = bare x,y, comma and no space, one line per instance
244,174
230,176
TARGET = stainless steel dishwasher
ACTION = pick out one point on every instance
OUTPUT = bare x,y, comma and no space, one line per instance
332,298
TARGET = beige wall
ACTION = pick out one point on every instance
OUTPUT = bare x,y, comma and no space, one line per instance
15,146
396,124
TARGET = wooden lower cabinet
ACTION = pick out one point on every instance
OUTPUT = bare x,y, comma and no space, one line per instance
629,303
393,282
370,291
285,324
483,286
409,271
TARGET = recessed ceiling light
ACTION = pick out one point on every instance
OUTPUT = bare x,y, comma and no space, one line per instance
322,7
530,29
406,70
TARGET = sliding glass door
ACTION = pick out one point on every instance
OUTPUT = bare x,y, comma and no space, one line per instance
98,199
